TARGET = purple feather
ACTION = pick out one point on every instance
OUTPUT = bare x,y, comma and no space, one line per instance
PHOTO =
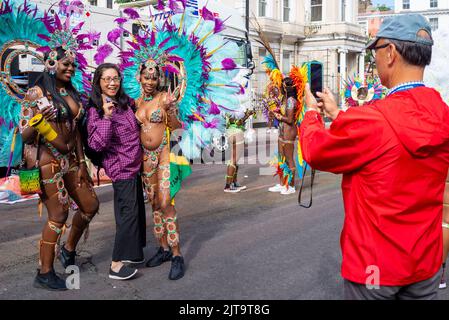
44,37
58,22
214,108
228,64
48,22
126,65
78,28
133,45
121,20
170,68
207,14
82,62
102,53
131,13
171,49
175,59
160,5
163,43
113,35
213,124
219,25
153,38
43,49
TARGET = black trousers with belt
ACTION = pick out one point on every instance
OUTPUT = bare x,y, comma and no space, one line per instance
130,220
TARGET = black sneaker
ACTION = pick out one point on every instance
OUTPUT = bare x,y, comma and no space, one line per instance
159,258
134,261
67,257
49,281
177,268
124,273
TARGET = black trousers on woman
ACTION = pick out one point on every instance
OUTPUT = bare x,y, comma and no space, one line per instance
130,220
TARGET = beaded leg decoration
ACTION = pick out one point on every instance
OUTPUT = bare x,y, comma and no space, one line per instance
172,232
59,231
158,224
165,181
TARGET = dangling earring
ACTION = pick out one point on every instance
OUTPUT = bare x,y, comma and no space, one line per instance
51,65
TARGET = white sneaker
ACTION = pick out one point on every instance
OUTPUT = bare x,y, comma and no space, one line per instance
442,285
276,188
290,190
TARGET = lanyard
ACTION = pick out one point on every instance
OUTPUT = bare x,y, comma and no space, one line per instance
406,86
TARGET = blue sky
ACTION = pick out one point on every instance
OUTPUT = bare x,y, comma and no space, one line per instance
389,3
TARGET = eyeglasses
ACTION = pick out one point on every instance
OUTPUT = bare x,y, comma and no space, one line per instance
109,79
373,50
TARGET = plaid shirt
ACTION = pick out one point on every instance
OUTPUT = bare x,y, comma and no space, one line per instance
118,138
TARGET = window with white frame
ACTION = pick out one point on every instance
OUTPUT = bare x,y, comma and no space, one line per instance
262,8
109,4
287,9
405,4
434,3
286,62
93,2
316,9
433,23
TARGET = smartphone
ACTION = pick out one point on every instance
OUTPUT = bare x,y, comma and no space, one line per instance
43,103
316,78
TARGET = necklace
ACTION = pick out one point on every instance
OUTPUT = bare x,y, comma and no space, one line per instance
63,92
149,98
406,86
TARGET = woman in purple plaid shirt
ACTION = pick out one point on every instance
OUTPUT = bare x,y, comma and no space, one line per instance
113,131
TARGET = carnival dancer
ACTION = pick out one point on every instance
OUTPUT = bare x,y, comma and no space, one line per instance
189,52
287,138
236,138
388,151
51,115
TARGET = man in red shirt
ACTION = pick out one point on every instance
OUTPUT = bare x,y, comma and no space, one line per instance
394,157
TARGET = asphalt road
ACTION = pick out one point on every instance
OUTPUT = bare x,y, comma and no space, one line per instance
250,245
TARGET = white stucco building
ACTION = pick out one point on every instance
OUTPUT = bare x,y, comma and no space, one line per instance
437,11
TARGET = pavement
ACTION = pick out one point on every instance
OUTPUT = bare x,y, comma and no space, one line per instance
250,245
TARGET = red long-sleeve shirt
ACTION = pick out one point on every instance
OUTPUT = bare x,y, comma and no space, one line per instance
394,157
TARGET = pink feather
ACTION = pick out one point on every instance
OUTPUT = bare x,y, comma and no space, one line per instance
121,20
131,13
228,64
43,49
175,59
214,108
207,14
171,69
113,35
103,52
160,5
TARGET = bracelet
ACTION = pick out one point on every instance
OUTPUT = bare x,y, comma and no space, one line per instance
82,161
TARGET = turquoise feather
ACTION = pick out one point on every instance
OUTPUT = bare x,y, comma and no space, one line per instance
15,25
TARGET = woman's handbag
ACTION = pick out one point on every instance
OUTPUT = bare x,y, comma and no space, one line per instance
30,179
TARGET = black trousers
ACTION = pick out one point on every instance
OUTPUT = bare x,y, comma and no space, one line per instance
130,220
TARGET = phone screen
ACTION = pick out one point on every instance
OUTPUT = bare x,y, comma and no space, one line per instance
316,75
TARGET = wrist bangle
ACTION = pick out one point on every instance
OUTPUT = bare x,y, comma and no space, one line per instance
82,161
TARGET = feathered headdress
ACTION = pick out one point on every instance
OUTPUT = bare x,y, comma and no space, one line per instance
60,34
357,92
193,48
270,63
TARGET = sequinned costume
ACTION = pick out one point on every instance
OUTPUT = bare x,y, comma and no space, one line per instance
52,145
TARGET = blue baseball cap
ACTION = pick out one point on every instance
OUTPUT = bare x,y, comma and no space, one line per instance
404,27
